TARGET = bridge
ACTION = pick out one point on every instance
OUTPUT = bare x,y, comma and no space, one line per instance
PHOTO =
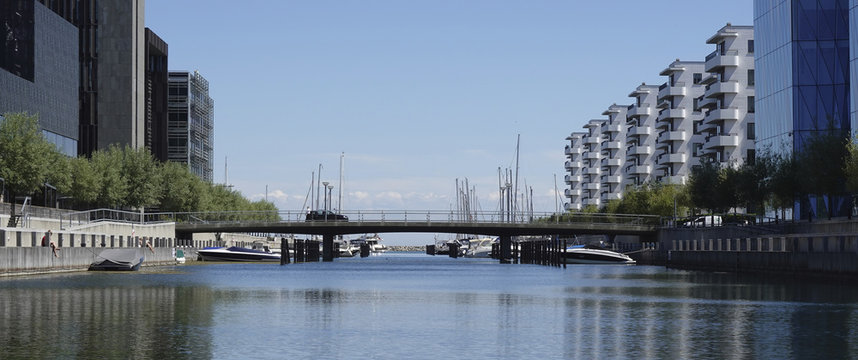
295,222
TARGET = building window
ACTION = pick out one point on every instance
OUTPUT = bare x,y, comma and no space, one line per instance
751,46
697,78
752,131
751,104
696,104
751,80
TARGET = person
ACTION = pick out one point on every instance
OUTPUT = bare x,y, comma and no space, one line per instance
149,245
46,241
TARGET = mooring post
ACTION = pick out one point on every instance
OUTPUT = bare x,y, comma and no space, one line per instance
328,247
506,249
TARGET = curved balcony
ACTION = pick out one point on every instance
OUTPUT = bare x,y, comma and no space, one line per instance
591,155
637,111
725,87
672,136
677,113
721,140
639,169
639,131
723,114
573,179
591,171
572,150
610,128
678,158
678,89
570,192
611,162
715,60
591,139
573,164
591,186
639,150
612,179
594,202
611,145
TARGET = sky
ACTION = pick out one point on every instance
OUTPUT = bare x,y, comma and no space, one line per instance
415,94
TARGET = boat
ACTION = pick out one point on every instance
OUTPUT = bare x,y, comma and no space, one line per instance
235,253
479,247
180,256
118,260
347,248
374,242
592,254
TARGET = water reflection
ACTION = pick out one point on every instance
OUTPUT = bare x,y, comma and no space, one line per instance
105,322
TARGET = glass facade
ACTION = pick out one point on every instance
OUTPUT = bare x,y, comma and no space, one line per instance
803,88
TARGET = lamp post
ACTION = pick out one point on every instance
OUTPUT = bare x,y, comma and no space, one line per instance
331,196
325,202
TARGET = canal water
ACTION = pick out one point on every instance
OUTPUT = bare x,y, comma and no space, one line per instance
414,306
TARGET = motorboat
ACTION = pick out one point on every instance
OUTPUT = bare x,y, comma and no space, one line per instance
592,254
374,242
235,253
479,247
180,256
118,260
347,248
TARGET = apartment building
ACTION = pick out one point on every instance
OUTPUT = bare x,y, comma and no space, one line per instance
728,123
190,124
574,168
591,167
677,144
613,153
640,135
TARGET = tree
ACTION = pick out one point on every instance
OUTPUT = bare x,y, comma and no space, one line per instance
85,183
141,176
25,155
703,185
821,163
784,184
108,166
181,191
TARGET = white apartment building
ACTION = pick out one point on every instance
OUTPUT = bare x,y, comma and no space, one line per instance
591,181
728,102
613,153
574,169
676,121
640,136
704,110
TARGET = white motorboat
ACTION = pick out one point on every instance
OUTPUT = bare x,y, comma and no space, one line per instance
236,253
591,254
347,248
374,242
479,247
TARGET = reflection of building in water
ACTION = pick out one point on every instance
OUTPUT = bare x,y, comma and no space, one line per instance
110,322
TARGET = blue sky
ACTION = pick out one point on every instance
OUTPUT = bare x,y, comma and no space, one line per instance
419,93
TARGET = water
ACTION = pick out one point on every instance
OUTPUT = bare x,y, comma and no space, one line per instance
413,306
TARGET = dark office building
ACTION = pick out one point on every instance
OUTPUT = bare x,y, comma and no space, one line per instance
39,69
156,95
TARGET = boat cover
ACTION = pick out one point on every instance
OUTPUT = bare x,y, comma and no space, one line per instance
117,259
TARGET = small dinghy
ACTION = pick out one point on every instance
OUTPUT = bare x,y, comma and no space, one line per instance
117,260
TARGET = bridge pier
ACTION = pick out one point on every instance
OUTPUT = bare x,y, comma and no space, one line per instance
505,249
328,247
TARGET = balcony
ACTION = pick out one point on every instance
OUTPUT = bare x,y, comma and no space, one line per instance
714,60
642,110
570,192
725,87
723,114
611,196
612,179
677,113
676,179
591,155
573,179
672,136
591,186
573,164
591,171
639,169
678,89
721,140
572,206
611,145
572,150
639,131
594,202
678,158
610,128
639,150
591,139
706,103
611,162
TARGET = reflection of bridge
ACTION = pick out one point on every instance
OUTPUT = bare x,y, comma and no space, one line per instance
293,222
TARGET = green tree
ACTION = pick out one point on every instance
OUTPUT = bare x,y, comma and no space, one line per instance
25,155
181,191
703,185
821,163
141,176
108,166
85,183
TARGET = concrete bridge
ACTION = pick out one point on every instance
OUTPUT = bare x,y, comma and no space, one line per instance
483,223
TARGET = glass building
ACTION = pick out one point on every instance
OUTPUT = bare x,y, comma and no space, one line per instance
803,88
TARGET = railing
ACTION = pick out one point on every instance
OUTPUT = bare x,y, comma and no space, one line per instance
362,216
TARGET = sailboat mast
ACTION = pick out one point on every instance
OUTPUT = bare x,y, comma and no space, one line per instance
517,142
340,193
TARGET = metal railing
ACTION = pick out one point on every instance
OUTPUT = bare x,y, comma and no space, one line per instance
357,216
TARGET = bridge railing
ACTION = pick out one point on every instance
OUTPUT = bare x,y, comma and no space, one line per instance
404,216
